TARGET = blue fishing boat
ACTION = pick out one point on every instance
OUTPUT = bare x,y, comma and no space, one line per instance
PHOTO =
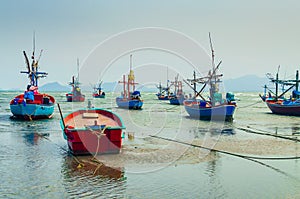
277,102
130,98
203,110
98,93
164,92
177,100
32,104
215,107
178,97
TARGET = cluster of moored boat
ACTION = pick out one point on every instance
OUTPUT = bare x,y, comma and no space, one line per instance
95,130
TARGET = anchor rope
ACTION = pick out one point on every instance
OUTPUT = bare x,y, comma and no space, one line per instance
247,130
60,147
226,152
99,135
252,104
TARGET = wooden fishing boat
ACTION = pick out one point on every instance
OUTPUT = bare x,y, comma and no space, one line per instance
75,95
214,108
164,92
32,104
278,103
98,93
93,131
204,110
130,98
178,97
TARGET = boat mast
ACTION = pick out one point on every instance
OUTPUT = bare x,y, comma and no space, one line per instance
168,81
159,87
130,78
276,83
297,80
212,52
212,83
32,71
78,70
176,84
34,67
194,84
124,87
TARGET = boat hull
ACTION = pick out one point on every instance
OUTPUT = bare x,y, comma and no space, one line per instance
163,97
99,96
71,98
41,108
32,111
176,101
85,140
223,112
129,104
284,109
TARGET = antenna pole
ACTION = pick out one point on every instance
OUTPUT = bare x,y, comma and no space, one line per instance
130,62
297,80
195,89
33,45
77,69
212,52
167,77
276,87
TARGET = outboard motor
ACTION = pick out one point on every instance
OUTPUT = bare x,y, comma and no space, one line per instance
230,97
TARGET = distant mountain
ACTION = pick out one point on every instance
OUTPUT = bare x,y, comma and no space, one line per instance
245,83
106,87
54,86
109,86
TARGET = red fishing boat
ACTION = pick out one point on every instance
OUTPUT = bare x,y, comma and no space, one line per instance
92,131
75,95
98,92
178,97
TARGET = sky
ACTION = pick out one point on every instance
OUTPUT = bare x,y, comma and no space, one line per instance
250,37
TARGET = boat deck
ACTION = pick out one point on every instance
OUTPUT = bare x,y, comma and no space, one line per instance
90,119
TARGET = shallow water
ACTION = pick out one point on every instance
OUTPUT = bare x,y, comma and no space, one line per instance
35,162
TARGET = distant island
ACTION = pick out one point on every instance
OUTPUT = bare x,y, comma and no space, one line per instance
247,83
54,86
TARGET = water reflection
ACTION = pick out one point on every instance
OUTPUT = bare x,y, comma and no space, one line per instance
87,165
295,130
201,132
85,177
215,186
33,138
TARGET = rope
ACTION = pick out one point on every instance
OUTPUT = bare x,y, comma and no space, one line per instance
226,152
29,115
247,130
80,164
250,104
99,135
